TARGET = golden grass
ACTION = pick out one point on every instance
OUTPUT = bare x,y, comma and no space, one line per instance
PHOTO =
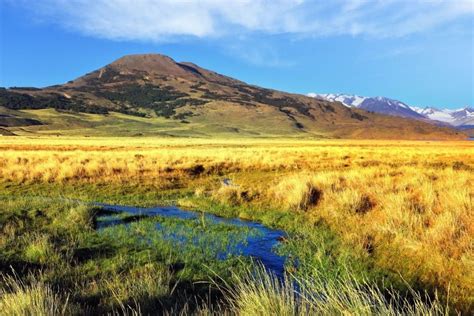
418,227
408,205
259,293
18,298
58,159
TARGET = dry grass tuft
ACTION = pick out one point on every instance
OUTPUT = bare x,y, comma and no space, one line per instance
299,192
259,293
232,195
18,298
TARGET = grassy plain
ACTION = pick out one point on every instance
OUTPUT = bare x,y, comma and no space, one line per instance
371,221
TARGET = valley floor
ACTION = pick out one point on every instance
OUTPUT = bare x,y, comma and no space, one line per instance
374,227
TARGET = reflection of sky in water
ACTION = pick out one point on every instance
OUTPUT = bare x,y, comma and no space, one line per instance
258,244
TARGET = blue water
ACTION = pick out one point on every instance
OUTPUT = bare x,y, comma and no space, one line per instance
259,246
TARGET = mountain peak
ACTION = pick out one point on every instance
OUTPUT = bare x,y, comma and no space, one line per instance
146,56
149,63
467,108
162,65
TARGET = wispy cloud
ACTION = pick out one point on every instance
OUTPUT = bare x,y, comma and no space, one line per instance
257,52
161,20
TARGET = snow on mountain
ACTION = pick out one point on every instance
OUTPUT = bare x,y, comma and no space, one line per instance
417,109
460,118
375,104
463,117
437,115
347,100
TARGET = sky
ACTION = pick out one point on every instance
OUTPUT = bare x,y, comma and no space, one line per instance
417,51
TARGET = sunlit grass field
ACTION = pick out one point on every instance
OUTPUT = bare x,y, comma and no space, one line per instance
396,213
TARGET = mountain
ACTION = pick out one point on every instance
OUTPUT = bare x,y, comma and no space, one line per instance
152,94
375,104
462,118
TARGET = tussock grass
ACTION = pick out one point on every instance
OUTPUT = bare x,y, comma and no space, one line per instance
39,248
18,298
297,192
140,287
261,293
400,221
232,195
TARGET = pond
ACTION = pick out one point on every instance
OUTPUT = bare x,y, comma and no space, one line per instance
259,243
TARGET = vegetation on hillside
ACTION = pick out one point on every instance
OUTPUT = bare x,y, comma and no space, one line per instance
18,101
163,100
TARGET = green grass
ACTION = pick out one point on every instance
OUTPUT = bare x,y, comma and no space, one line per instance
117,267
52,244
73,124
235,122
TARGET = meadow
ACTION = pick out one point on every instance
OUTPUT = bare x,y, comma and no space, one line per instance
374,227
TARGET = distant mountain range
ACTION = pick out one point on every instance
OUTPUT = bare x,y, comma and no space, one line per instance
152,94
460,118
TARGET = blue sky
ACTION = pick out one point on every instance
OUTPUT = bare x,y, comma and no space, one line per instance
417,51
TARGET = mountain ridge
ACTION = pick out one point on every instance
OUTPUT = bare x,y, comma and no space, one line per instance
460,118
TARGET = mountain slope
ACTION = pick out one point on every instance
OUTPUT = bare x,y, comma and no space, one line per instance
152,94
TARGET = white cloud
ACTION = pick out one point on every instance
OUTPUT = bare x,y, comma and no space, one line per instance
156,20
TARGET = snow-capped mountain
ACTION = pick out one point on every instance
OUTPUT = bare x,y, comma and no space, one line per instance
459,117
346,99
462,118
375,104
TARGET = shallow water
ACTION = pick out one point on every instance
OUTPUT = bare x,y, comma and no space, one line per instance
260,246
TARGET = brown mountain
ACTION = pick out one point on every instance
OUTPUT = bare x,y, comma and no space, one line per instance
153,94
